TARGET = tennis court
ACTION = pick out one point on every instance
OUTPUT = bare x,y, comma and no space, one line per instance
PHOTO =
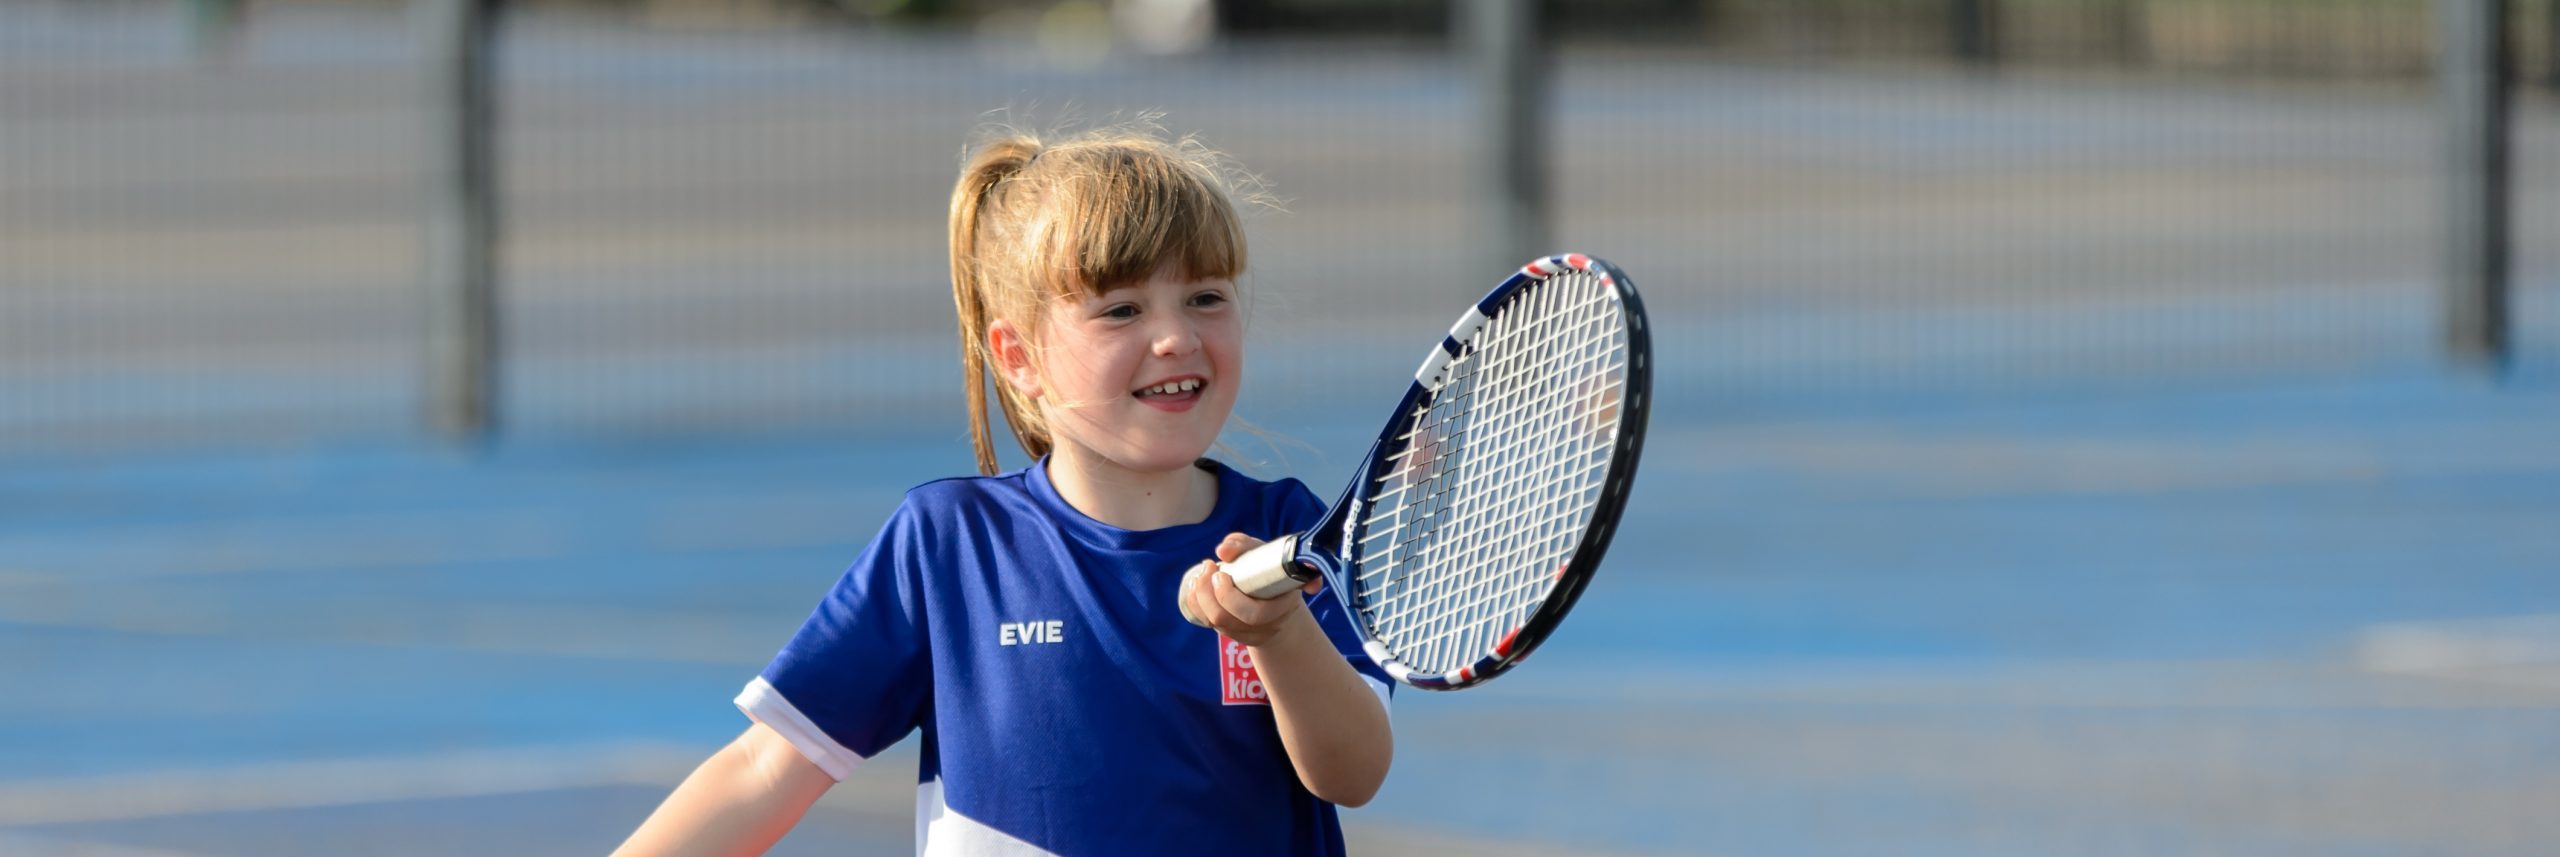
2042,466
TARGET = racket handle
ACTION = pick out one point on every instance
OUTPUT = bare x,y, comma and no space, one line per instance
1270,570
1263,572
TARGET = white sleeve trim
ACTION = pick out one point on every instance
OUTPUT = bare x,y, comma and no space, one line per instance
1385,705
766,705
944,832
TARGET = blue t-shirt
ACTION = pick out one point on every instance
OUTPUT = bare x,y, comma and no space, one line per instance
1064,704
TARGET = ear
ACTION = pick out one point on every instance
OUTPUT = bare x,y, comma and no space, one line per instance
1012,353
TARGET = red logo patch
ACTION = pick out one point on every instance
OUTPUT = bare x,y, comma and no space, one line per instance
1238,683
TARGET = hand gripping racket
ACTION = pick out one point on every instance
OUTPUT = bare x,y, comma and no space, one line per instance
1486,503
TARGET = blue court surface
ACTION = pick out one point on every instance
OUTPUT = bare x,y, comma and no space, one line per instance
2316,615
2042,466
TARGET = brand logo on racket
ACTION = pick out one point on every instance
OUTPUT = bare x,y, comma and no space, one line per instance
1350,527
1238,682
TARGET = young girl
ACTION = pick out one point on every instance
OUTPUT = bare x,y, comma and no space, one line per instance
1025,623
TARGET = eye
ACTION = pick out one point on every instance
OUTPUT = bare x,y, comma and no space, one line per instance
1119,312
1208,299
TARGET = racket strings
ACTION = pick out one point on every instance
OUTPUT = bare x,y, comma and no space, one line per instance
1489,512
1553,520
1475,517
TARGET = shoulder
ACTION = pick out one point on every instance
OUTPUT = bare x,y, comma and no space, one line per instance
1282,505
962,494
933,511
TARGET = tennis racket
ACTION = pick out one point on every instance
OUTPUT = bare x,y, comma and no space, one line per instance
1483,508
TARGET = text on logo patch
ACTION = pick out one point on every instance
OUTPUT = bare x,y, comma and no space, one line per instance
1238,683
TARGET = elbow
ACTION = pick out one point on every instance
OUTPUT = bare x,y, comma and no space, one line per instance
1353,789
1350,799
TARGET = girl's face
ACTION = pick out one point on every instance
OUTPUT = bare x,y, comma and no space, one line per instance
1142,376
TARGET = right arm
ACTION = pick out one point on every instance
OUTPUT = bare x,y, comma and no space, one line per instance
739,802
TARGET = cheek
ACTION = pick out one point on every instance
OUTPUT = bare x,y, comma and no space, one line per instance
1228,352
1223,339
1080,368
1091,367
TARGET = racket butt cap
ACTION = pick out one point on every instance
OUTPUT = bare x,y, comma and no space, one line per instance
1189,579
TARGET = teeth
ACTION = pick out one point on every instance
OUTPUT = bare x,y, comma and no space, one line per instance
1171,387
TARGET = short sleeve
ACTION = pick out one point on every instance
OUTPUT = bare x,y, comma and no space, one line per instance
854,679
1299,509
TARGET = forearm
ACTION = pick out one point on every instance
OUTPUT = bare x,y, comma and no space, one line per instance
1331,722
737,804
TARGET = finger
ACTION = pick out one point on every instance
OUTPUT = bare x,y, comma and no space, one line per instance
1234,545
1242,605
1203,597
1188,592
1313,586
1223,591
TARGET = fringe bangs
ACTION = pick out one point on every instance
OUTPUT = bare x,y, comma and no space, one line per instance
1118,210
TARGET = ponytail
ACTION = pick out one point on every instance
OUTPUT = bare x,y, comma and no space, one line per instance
980,183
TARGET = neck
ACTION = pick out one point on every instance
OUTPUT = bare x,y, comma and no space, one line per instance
1132,499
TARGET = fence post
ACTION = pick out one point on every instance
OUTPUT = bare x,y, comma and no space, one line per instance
1506,49
2551,44
214,28
459,276
2127,31
1975,28
2472,89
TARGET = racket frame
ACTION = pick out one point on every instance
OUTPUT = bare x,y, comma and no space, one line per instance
1324,549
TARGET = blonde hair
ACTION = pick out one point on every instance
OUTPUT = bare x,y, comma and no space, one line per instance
1034,221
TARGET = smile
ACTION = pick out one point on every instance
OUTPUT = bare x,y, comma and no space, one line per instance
1175,395
1171,387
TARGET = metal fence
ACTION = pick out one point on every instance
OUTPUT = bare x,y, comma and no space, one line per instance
718,216
2328,39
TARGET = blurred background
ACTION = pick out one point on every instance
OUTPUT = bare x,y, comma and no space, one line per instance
2084,426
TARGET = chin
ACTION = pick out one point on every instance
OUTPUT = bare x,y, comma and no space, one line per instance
1180,447
1163,447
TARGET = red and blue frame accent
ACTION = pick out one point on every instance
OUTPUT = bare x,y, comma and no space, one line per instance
1323,548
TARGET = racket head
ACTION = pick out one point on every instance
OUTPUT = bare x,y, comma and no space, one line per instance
1486,504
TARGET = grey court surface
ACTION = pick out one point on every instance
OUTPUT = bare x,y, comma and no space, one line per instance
2044,467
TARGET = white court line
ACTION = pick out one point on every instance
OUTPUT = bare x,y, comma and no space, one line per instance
357,542
2514,650
478,773
340,782
27,577
2067,683
20,845
563,630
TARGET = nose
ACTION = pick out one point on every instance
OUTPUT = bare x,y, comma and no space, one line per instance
1175,339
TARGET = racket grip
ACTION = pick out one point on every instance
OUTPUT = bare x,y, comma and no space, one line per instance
1263,572
1270,570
